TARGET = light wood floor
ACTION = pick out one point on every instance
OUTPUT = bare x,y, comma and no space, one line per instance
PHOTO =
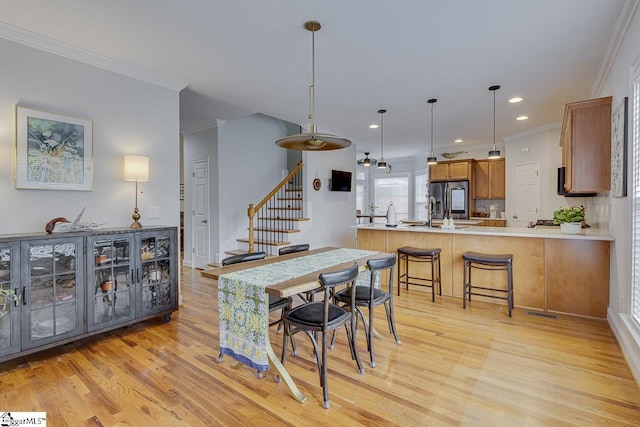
454,367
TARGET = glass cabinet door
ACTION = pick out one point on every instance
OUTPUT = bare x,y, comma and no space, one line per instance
157,279
110,285
53,291
9,298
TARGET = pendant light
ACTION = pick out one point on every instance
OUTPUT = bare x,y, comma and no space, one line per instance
313,141
494,154
381,163
367,161
432,160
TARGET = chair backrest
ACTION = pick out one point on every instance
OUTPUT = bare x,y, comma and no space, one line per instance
251,256
378,266
328,281
293,248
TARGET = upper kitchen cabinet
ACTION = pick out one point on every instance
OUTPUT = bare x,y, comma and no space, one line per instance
489,179
450,171
586,146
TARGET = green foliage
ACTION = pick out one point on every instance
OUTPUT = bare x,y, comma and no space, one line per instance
569,214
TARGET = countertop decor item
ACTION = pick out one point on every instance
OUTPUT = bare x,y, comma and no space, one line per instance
569,214
571,227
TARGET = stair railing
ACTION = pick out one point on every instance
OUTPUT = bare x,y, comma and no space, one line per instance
272,216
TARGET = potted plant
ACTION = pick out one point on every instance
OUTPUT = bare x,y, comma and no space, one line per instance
570,219
372,208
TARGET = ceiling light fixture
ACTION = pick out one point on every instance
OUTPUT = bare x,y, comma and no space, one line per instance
515,99
367,161
432,160
458,140
494,154
374,126
381,163
522,117
313,141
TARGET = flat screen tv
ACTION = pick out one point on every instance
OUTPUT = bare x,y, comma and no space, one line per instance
340,180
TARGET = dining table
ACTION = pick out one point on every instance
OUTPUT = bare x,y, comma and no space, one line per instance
243,303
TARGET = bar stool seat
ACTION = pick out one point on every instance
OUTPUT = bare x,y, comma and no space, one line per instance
410,254
491,262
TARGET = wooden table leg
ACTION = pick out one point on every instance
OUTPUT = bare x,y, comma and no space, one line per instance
275,362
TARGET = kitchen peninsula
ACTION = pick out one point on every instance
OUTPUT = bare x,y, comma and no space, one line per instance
552,271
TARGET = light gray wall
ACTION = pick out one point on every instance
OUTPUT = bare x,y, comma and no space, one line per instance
199,146
129,117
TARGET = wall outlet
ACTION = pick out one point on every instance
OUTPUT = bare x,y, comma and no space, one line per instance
154,212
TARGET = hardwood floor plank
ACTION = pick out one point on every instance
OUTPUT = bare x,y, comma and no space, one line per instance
454,367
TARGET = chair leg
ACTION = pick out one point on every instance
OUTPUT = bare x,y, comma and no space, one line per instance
433,280
388,306
464,285
323,374
353,345
370,340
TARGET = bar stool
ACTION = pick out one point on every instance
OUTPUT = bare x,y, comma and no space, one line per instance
410,254
491,262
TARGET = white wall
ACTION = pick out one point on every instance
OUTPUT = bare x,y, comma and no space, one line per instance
626,330
129,117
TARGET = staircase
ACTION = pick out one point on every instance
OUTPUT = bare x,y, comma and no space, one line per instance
273,221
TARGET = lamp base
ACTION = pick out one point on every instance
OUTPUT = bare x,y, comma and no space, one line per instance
136,216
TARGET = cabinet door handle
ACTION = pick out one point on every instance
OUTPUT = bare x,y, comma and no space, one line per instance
139,278
133,279
24,294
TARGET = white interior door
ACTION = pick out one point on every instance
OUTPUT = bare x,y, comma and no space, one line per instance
200,212
526,194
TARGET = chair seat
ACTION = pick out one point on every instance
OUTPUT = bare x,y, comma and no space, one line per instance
362,295
310,315
277,303
488,259
418,252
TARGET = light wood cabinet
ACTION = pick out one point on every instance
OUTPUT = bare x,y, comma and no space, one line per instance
489,179
493,223
586,146
450,171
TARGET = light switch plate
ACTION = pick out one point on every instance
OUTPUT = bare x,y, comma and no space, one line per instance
154,212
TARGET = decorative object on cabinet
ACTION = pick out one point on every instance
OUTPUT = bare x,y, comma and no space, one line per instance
494,153
53,152
136,168
432,160
452,155
381,163
313,141
619,138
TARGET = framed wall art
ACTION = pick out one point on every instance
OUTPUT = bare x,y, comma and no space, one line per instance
619,130
53,152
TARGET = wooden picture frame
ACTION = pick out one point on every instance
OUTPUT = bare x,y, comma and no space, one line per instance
619,144
53,152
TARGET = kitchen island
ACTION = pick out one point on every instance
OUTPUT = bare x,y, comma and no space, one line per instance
552,271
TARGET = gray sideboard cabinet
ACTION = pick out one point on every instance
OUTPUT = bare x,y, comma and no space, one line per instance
10,280
74,285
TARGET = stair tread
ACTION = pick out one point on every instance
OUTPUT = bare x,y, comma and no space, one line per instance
276,230
264,242
267,218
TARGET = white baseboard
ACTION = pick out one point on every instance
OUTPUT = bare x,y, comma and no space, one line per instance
187,263
627,333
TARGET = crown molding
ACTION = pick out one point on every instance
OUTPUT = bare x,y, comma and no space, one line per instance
37,41
202,126
620,31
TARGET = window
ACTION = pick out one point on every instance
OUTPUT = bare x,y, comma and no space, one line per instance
392,189
420,194
361,187
635,193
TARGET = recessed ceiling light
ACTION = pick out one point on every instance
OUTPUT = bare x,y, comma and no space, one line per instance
516,99
374,126
458,140
522,118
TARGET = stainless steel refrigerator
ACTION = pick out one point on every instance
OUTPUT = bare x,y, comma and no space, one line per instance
451,199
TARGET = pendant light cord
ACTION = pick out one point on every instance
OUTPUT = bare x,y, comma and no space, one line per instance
381,134
432,127
494,120
312,88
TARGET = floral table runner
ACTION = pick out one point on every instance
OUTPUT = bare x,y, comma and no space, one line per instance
243,302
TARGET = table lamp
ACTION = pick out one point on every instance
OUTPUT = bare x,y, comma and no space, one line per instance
136,168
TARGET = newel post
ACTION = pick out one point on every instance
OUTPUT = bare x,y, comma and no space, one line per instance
251,212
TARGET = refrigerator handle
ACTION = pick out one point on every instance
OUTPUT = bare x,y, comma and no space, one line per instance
446,200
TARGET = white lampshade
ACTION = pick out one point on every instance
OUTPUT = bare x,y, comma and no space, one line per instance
136,168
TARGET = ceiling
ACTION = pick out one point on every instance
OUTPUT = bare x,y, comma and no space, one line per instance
254,56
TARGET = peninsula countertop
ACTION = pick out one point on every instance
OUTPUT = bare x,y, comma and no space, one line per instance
544,233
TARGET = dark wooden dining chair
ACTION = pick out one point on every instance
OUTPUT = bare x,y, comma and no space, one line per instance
324,317
371,296
293,249
275,303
